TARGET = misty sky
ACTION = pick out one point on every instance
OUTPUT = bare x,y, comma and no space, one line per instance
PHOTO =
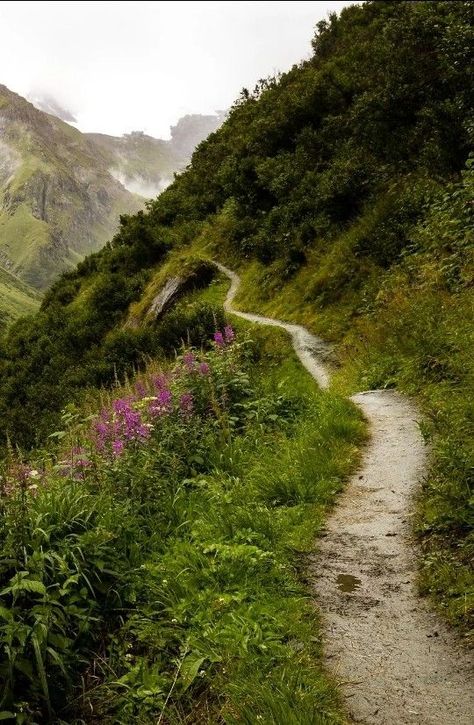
123,66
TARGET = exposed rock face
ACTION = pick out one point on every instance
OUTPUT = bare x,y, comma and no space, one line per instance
165,297
162,294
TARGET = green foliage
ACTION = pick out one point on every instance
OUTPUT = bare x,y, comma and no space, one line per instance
16,298
80,340
344,184
164,582
299,158
408,326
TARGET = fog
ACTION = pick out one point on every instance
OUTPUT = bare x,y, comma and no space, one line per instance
139,185
122,66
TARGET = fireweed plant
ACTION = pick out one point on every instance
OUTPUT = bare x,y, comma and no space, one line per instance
148,569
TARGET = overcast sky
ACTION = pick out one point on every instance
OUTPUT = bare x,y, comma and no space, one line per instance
123,66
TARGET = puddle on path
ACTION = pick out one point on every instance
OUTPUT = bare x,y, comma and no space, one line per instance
347,582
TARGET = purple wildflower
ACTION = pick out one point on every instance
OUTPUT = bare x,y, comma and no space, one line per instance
82,463
21,472
122,405
132,424
117,447
229,334
162,403
219,339
204,368
77,451
102,430
186,403
189,360
160,382
143,431
140,389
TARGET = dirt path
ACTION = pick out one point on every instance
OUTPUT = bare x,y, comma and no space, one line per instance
395,661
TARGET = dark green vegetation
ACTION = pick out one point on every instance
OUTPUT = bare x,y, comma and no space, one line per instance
343,191
80,339
158,578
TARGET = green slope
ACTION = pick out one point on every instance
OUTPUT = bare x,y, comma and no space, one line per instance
16,298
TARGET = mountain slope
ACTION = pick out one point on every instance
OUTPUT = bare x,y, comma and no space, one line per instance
61,191
58,201
146,165
143,164
16,298
47,103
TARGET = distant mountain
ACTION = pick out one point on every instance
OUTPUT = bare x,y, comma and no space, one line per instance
143,164
62,191
146,165
48,104
58,200
192,129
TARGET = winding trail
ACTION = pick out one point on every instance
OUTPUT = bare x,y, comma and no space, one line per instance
396,663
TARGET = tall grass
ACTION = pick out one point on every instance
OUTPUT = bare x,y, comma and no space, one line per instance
157,580
408,326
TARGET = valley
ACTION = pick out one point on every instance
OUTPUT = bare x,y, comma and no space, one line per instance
62,192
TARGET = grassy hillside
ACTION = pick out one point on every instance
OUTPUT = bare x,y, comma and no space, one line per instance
343,191
16,298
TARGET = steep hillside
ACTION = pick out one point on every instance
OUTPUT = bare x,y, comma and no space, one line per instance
58,201
343,192
16,298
